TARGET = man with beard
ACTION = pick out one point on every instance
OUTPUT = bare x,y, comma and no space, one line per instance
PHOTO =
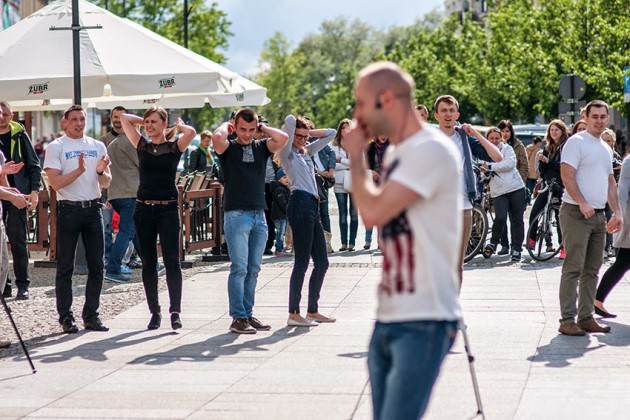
121,195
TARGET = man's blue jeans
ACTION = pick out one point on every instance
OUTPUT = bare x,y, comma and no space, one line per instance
126,231
246,236
404,361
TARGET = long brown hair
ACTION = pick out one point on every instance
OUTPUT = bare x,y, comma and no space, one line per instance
552,147
171,132
337,140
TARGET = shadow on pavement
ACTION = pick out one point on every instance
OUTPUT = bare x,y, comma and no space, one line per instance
562,349
95,350
217,346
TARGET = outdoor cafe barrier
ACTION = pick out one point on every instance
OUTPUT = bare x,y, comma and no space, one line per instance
200,207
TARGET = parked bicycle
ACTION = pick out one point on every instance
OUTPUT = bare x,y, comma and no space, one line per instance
481,215
542,243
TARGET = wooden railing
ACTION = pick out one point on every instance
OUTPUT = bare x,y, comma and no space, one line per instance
200,206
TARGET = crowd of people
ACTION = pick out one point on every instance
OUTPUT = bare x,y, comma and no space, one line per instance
413,182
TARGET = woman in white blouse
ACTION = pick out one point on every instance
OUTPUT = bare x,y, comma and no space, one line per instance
344,198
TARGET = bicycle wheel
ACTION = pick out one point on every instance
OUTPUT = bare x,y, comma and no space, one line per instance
544,230
478,233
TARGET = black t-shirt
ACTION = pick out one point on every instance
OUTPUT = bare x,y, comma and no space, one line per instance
158,166
244,172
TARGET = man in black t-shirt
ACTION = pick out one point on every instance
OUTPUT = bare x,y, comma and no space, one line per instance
243,161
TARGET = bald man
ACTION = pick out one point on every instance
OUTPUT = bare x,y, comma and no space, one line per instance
418,209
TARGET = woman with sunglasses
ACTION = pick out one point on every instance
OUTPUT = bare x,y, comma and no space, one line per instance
296,159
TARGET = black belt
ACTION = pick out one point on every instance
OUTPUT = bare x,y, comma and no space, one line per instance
83,204
156,202
596,210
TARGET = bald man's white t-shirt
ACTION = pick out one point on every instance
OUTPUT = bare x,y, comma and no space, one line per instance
421,246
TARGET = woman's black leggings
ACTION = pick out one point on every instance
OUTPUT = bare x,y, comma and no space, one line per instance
614,273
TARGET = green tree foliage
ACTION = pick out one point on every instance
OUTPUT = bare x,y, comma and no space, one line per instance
316,78
508,66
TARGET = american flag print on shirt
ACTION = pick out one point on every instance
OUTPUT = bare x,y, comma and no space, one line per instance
397,247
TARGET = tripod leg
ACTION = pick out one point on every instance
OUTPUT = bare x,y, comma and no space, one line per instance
8,311
473,375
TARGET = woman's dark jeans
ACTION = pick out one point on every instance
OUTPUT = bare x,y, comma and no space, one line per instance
343,201
152,221
308,241
514,204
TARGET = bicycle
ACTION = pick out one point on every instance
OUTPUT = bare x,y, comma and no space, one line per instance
545,245
482,208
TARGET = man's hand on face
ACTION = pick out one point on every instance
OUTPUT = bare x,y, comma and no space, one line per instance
355,141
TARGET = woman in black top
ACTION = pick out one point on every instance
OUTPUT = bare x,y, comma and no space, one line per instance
375,155
549,168
157,212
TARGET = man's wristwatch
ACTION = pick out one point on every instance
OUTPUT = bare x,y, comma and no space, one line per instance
100,173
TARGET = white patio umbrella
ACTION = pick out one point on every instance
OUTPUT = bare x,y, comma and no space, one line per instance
122,63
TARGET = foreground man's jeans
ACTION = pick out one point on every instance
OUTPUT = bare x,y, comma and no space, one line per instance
404,361
246,236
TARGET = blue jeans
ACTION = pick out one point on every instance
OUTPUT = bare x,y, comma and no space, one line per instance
343,201
404,361
281,229
108,230
308,241
153,221
73,222
125,208
324,214
246,236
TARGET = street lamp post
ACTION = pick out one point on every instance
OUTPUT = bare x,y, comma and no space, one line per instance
76,28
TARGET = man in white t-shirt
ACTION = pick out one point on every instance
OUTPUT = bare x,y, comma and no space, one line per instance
78,167
418,210
589,183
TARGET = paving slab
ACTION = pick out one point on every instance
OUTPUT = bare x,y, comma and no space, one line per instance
524,368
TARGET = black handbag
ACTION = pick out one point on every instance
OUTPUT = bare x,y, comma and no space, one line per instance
323,185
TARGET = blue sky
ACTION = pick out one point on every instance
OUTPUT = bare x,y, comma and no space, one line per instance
255,21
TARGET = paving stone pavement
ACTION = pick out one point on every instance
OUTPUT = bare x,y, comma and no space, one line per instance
525,369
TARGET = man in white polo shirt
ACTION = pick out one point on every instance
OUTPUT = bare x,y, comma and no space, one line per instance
78,167
589,183
418,209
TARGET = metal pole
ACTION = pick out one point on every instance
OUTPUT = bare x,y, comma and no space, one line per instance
186,24
573,119
76,51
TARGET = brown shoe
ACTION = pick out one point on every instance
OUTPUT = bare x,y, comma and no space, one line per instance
4,344
571,328
593,327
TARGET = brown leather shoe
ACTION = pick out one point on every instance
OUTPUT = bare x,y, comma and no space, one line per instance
593,327
571,328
